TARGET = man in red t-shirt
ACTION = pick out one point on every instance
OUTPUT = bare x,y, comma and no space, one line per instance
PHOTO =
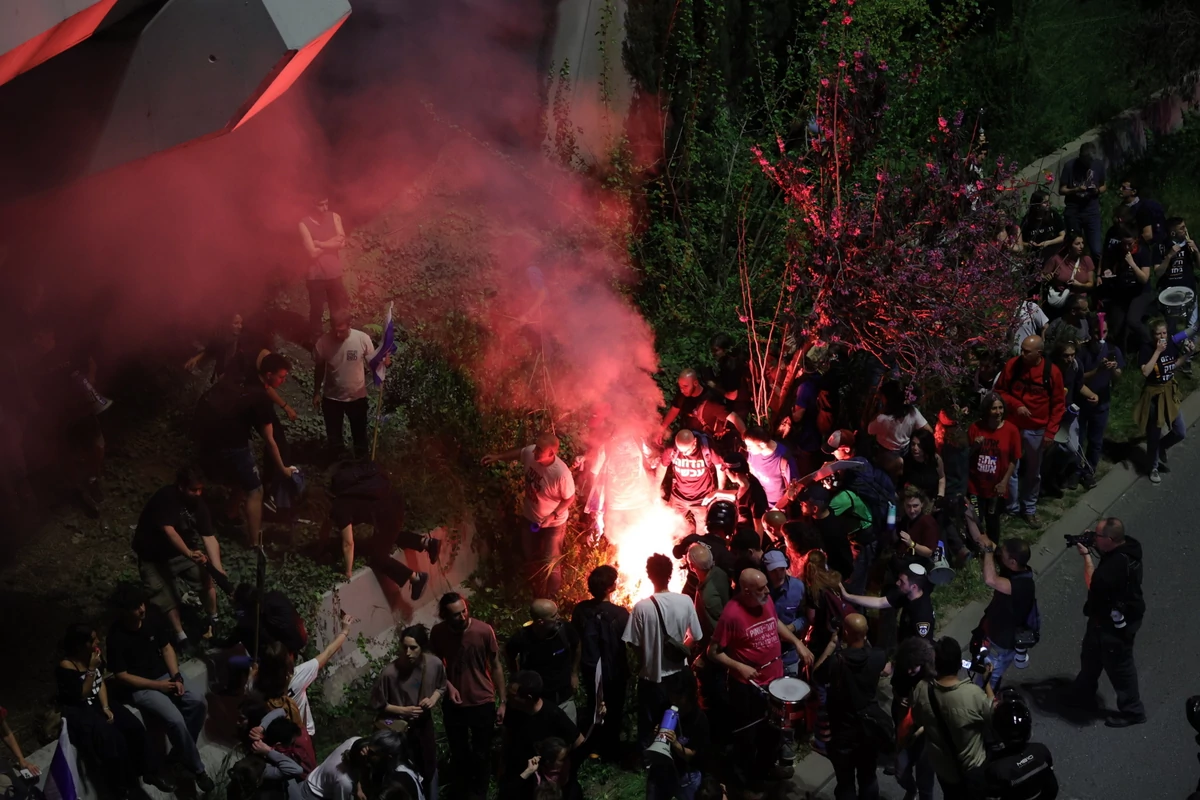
747,643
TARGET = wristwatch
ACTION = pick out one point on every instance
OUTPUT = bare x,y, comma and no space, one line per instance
991,548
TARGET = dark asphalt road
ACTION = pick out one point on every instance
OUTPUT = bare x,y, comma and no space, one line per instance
1155,761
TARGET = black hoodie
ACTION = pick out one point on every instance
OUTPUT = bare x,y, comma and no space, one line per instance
1117,584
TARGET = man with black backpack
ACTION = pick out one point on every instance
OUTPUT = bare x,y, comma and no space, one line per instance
1011,623
859,727
599,622
363,494
551,649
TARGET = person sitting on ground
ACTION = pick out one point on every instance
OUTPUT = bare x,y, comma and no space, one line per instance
530,720
549,494
551,767
145,667
358,767
404,697
284,685
690,746
174,542
599,623
109,738
363,494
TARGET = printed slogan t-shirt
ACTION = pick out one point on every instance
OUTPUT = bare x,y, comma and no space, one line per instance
751,639
345,365
694,478
993,451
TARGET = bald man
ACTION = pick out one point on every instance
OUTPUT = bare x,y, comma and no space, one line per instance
550,648
697,474
549,492
746,642
852,674
1034,397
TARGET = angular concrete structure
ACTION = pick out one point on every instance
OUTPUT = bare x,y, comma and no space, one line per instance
85,86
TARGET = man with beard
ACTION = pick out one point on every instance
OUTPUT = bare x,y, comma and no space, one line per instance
747,644
174,542
474,675
697,473
699,409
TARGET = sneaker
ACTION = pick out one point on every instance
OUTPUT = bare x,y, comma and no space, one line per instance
204,783
418,582
1154,476
1089,482
1162,466
786,754
1124,720
161,781
1033,521
433,548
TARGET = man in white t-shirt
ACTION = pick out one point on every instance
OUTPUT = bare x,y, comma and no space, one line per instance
659,671
549,492
340,381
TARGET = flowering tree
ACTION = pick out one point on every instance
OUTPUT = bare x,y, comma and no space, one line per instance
902,261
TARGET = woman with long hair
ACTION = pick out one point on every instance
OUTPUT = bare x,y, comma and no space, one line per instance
1042,229
404,697
923,466
108,736
823,603
995,452
1070,272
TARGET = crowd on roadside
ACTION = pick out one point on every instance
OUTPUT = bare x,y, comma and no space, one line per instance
799,526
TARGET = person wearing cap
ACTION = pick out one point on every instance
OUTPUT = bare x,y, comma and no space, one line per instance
787,593
910,596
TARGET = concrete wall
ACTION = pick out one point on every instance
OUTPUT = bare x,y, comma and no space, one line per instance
1122,140
588,38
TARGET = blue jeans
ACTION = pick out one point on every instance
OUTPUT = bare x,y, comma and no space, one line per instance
1093,422
183,717
1001,659
1156,442
1026,481
914,770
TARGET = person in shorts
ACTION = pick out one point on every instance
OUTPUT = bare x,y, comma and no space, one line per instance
174,544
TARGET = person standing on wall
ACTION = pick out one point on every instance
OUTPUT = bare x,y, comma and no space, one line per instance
1081,183
340,381
323,237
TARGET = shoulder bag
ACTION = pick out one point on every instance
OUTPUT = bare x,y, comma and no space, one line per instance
673,650
1057,298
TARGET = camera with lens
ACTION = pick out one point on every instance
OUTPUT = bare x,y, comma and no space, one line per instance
1087,538
978,663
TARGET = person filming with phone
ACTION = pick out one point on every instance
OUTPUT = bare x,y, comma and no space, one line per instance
1114,609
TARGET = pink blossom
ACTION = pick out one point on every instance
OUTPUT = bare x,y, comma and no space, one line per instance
846,20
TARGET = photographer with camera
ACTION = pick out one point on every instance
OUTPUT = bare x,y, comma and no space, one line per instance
1114,610
1005,628
955,714
1018,769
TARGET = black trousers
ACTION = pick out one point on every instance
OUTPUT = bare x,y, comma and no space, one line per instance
854,765
335,412
605,741
120,749
652,702
387,518
320,292
469,732
756,744
1110,651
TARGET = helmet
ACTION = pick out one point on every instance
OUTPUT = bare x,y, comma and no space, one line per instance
1012,721
722,518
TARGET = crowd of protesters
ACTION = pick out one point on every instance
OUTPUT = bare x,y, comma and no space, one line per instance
817,542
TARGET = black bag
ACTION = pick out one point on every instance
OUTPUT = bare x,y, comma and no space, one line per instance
15,786
877,724
674,650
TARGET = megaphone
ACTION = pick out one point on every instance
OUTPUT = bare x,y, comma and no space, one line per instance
942,573
99,402
658,754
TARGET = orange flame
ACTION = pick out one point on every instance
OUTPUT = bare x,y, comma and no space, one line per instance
655,530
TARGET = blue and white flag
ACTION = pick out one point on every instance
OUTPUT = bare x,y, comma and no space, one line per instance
386,348
63,778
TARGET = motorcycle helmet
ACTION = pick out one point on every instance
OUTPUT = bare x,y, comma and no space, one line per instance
1012,720
722,518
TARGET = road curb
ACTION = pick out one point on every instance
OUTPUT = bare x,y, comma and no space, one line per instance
814,772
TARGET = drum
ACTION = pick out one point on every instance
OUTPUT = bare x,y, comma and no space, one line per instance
1178,303
787,699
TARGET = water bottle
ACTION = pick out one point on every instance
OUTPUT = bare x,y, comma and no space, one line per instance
1118,618
1021,659
891,524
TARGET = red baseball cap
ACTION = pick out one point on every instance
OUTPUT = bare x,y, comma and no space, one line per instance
842,438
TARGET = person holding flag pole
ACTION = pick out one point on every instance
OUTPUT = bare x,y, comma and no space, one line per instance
379,364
